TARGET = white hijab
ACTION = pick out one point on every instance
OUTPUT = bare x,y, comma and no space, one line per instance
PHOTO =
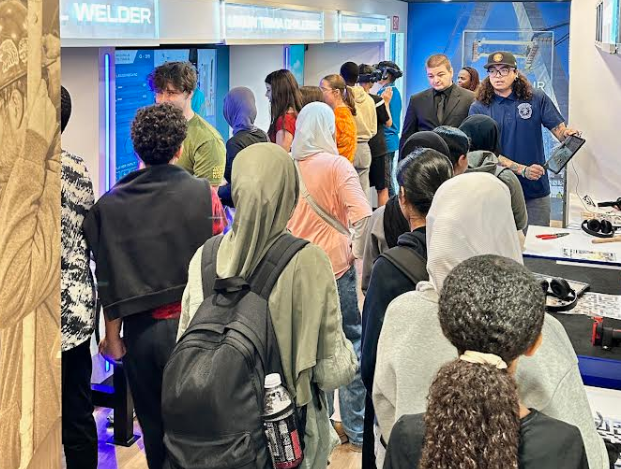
314,131
470,216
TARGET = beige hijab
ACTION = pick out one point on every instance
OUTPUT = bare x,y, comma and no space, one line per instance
470,216
265,192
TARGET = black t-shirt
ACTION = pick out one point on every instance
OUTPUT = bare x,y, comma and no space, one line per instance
378,142
239,141
545,443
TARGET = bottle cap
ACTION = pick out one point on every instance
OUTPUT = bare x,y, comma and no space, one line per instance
273,380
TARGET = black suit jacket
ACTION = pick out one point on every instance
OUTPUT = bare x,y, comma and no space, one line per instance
421,113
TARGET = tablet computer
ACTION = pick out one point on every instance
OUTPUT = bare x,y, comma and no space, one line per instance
565,152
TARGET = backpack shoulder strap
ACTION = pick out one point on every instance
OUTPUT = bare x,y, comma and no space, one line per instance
211,214
409,262
208,264
499,171
271,266
322,213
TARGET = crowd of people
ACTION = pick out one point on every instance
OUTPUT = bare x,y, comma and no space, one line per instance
427,374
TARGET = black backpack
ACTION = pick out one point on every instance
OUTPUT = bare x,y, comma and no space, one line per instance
212,391
409,262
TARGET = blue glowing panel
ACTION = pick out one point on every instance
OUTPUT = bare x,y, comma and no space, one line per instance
132,93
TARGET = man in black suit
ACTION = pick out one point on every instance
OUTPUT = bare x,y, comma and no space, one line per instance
443,104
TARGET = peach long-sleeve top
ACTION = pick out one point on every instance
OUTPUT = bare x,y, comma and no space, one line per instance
335,187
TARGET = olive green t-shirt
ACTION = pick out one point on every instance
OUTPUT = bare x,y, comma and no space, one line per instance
204,154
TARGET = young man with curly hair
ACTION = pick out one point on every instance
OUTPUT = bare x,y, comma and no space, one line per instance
204,154
143,234
520,111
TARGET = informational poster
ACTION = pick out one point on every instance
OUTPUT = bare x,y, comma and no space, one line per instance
537,33
133,92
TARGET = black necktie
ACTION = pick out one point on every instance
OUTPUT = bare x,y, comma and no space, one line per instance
440,109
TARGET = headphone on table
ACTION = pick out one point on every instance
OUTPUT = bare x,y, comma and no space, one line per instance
560,289
599,228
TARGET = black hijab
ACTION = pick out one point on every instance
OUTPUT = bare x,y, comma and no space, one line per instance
395,223
483,133
424,139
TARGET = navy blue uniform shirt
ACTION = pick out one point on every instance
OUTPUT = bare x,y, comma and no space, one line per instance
521,135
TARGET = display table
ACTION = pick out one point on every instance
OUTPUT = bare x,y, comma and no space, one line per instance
577,240
598,367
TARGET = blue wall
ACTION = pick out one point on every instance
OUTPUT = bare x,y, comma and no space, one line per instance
439,27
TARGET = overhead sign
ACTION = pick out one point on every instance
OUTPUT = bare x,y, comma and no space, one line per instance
251,23
356,28
110,19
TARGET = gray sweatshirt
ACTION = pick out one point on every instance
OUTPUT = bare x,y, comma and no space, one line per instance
487,162
375,244
412,349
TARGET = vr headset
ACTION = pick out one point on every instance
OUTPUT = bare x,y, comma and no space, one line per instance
388,67
373,75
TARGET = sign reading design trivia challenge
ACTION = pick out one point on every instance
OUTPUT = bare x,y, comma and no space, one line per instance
248,23
109,19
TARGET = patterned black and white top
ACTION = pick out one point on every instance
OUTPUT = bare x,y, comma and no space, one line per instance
77,285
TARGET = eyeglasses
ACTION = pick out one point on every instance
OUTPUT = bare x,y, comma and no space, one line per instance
327,89
503,72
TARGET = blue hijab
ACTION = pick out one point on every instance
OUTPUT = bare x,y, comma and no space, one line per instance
240,109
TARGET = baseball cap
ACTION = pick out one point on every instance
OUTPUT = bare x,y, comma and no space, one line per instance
501,58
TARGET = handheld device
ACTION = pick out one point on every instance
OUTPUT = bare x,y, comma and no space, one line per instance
564,153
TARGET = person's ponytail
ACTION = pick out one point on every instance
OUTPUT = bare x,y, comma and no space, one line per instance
472,419
348,98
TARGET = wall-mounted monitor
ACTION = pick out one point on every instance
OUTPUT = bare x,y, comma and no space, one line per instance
132,66
608,26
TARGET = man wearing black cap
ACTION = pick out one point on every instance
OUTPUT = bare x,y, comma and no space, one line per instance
520,111
442,104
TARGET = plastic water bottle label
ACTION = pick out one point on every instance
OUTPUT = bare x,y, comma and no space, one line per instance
284,442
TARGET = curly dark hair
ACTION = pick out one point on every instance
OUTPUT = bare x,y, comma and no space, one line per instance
474,78
521,87
488,304
158,131
182,75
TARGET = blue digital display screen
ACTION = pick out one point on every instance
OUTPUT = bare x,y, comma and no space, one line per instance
132,68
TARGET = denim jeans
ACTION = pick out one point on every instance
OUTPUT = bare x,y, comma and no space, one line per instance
538,211
352,396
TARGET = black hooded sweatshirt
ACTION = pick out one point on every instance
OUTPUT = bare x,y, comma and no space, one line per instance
387,283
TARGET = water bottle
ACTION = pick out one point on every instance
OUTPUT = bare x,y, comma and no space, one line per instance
279,420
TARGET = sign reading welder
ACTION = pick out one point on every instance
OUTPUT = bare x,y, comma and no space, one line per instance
110,19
